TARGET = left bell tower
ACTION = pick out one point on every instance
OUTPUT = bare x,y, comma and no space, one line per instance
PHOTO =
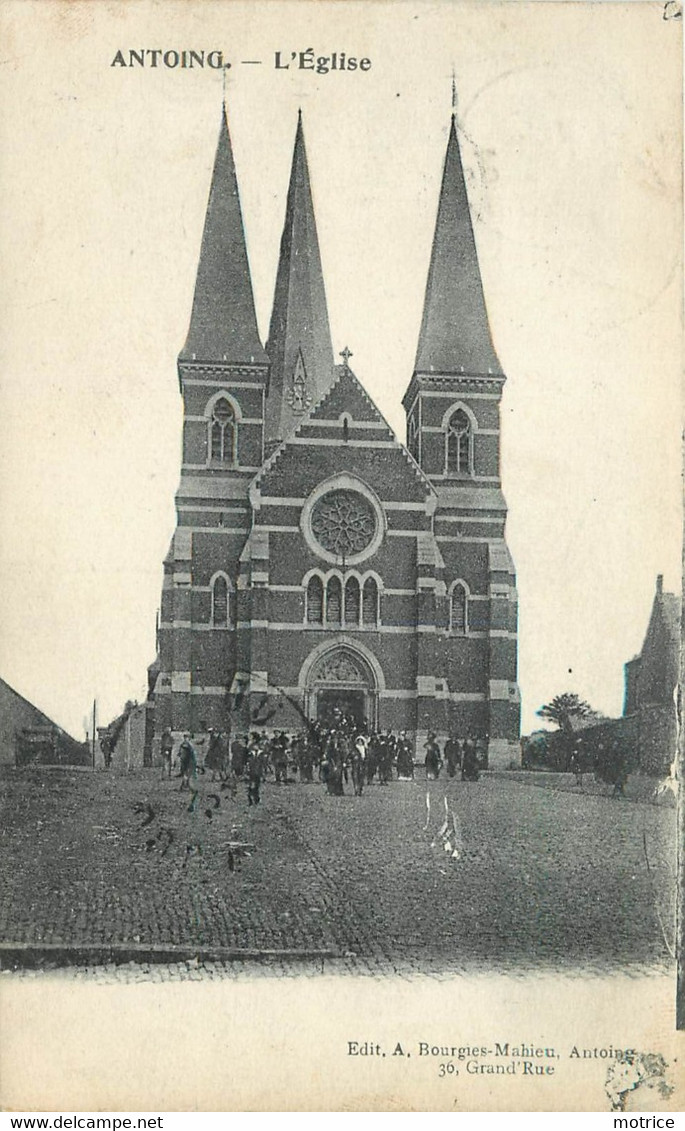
223,373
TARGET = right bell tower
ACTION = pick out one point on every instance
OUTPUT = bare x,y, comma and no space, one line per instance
453,432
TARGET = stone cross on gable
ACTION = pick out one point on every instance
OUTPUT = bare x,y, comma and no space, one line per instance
346,354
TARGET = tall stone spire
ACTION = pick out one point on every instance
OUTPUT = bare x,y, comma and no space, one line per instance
455,333
223,324
299,344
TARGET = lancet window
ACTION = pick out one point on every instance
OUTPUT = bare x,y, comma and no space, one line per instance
370,603
459,444
413,437
352,601
315,600
334,594
339,600
220,602
459,609
223,433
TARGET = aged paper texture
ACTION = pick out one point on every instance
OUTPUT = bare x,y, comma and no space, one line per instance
569,125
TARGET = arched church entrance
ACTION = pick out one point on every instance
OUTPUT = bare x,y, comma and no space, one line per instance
342,682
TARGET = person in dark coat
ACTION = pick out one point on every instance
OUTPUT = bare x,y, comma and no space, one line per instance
167,748
255,768
617,761
106,747
577,763
215,757
238,755
452,755
304,753
386,757
405,758
470,768
372,756
433,758
279,757
187,757
188,769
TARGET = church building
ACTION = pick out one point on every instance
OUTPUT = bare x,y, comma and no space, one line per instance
318,562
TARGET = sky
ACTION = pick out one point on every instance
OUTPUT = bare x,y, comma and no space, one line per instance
570,129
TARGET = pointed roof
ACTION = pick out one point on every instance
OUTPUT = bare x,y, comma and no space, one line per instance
455,333
658,662
665,614
223,324
299,322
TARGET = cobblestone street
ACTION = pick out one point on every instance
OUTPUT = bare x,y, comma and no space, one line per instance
544,877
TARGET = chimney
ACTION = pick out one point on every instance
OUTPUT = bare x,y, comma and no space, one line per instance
659,584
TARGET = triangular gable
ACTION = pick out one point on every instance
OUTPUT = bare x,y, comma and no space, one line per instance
347,397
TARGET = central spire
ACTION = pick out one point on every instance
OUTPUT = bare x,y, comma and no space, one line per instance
299,345
455,333
223,324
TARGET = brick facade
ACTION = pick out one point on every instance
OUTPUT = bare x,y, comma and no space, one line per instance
317,560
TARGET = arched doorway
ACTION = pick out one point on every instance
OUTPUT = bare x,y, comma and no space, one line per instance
342,682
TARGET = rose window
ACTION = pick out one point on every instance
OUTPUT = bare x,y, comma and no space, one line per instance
344,523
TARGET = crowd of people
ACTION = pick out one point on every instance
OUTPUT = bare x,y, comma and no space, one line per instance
466,755
336,753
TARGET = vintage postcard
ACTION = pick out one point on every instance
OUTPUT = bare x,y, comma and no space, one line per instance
341,549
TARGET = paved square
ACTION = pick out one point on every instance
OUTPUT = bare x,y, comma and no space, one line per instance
544,877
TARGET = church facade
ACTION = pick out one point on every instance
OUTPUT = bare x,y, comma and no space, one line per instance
318,562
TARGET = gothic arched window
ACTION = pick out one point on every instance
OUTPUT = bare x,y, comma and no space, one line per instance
223,433
459,611
220,607
459,444
334,601
413,437
370,603
351,601
315,600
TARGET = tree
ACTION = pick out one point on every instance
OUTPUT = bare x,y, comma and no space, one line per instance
565,707
561,711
